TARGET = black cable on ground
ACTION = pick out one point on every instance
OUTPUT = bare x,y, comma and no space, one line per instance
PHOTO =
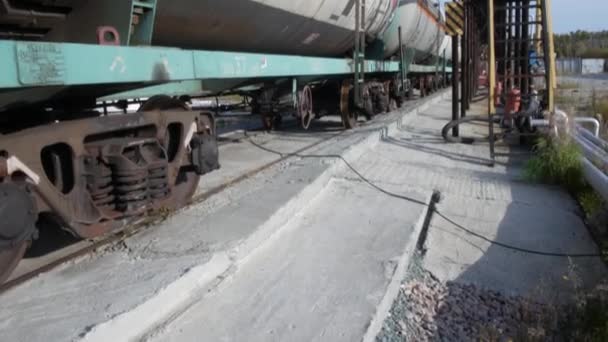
433,209
515,248
445,132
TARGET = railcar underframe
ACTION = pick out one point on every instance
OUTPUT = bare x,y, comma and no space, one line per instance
61,157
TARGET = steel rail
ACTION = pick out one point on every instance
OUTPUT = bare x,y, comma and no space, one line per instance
137,227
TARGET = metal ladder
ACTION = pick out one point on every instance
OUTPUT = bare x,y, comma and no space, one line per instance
522,27
518,30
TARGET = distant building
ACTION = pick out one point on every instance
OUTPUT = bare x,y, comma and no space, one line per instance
581,66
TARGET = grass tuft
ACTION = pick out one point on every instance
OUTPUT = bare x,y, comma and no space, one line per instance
559,163
591,202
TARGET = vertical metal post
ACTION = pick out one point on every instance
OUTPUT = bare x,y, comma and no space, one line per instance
359,58
444,80
455,83
474,58
402,59
475,54
294,92
464,99
470,56
506,80
549,52
363,32
491,76
357,51
525,84
518,43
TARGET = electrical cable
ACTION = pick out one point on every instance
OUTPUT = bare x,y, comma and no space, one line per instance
413,200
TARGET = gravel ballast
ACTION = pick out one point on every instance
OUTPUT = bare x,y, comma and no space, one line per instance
429,310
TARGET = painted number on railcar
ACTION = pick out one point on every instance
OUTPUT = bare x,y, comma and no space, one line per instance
40,63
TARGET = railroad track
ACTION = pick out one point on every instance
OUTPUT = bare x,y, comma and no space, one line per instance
134,228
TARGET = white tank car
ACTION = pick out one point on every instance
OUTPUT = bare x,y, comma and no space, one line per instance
299,27
306,27
447,47
421,30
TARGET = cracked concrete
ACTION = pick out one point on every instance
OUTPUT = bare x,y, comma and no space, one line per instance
307,251
154,275
494,201
321,280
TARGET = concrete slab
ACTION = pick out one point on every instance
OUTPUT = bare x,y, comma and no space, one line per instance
454,255
152,276
66,303
494,201
238,156
320,280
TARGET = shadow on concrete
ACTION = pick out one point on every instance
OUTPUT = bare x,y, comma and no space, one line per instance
51,238
536,217
423,147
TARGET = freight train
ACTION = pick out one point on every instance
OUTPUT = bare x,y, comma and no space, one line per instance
64,158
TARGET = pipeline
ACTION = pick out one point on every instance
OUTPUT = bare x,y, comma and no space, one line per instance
594,149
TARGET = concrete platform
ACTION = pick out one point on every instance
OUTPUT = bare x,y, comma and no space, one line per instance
307,251
320,279
494,201
126,292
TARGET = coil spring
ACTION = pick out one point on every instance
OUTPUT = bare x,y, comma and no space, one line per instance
99,183
130,188
158,183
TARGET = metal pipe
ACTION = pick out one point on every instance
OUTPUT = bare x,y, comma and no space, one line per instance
592,152
592,138
593,121
544,123
596,178
540,123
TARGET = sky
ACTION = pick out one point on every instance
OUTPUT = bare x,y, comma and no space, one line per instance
572,15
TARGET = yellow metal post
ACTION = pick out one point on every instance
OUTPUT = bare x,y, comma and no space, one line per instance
538,32
550,59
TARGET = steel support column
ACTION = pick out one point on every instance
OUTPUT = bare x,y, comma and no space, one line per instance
491,76
465,65
455,83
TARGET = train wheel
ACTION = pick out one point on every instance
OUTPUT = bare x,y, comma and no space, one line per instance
186,181
9,259
18,226
410,90
268,122
392,102
305,107
349,116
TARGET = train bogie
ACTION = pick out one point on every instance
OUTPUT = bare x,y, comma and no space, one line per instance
95,174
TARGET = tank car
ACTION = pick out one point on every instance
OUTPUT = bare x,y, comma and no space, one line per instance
62,158
299,27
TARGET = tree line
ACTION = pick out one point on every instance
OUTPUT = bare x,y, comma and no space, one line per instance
582,44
